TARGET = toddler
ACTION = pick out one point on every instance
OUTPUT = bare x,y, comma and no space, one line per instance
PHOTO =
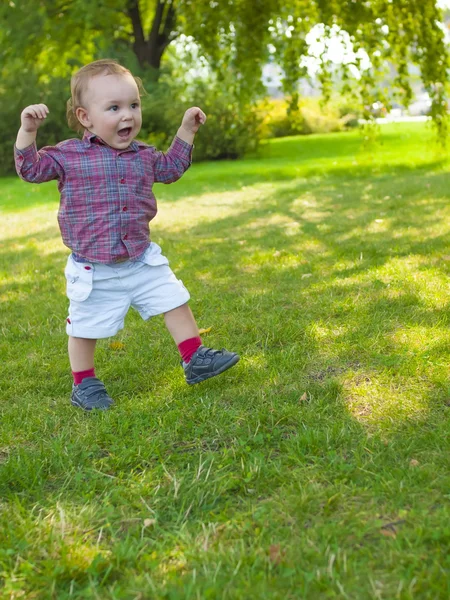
105,182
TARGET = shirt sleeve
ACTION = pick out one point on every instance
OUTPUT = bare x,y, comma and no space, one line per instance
38,167
170,166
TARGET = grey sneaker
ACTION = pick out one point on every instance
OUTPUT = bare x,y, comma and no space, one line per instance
206,363
90,394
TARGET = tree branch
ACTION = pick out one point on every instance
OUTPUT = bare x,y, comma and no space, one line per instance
170,19
153,38
138,31
166,33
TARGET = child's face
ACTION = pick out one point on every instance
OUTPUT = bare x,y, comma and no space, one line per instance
112,109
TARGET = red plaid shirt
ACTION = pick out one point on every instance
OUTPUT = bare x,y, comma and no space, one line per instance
106,194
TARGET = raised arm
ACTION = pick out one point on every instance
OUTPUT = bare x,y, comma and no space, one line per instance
31,119
31,165
170,166
193,118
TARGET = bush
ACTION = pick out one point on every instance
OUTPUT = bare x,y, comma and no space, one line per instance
310,118
233,127
17,91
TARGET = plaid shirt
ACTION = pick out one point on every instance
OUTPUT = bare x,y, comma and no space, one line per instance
106,194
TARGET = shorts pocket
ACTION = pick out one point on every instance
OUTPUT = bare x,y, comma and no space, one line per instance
78,279
154,257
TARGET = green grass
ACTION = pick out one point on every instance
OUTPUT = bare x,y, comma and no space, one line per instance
319,467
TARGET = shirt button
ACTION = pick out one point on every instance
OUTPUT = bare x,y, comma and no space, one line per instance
125,208
122,180
125,237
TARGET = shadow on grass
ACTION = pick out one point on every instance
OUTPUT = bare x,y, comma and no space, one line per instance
297,249
277,449
213,486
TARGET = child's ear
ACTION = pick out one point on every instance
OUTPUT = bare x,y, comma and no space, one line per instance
83,117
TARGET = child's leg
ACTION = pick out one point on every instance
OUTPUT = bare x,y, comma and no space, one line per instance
81,354
88,392
181,324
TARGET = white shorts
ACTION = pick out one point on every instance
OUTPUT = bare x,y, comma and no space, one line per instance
100,295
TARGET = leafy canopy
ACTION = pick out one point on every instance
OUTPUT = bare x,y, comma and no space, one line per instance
234,36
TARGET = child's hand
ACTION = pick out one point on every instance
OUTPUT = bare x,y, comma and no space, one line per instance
33,116
193,118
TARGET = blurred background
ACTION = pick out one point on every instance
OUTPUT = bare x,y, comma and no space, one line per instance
258,69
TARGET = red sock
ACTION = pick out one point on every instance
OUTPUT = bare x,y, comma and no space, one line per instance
188,347
80,375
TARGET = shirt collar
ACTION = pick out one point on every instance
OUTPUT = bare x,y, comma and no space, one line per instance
90,138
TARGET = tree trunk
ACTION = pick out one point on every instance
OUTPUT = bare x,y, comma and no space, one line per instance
149,51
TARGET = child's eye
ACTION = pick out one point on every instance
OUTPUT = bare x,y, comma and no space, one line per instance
113,108
135,105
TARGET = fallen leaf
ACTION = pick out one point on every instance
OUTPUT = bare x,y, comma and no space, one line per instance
207,330
388,533
149,522
414,463
276,554
305,275
303,398
116,346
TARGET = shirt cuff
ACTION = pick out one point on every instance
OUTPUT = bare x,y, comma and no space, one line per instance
25,155
182,149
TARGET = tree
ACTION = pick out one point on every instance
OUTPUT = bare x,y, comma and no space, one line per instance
234,35
149,49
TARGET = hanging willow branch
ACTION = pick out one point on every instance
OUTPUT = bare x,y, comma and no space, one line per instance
235,37
395,35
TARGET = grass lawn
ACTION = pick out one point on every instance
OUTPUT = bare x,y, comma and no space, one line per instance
319,467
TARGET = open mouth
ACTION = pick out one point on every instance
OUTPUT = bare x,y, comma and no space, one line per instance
125,132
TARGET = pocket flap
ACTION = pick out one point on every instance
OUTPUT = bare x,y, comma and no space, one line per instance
79,277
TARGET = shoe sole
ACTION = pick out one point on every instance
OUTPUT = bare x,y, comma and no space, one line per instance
225,367
75,403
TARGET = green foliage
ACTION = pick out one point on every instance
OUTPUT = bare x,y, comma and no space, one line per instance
234,36
394,35
232,129
30,89
41,44
310,117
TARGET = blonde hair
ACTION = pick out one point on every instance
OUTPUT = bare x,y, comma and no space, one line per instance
79,83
